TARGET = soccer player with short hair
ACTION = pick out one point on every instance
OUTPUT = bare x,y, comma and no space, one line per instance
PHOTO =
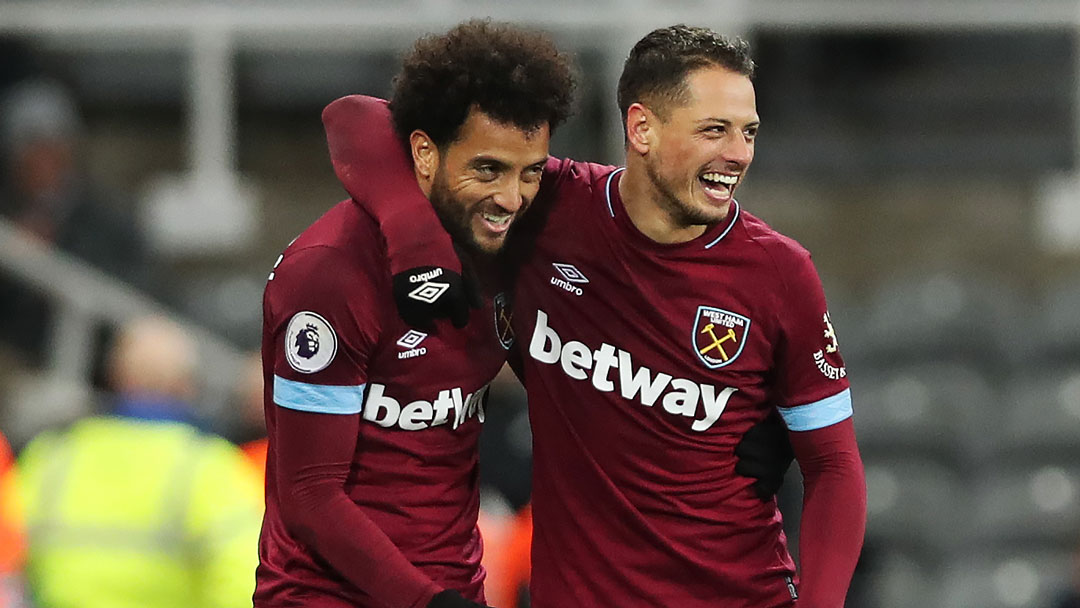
371,485
658,322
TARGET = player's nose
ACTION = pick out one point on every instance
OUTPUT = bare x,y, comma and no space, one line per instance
509,196
739,150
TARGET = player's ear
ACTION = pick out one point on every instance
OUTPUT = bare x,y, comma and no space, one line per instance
425,154
639,132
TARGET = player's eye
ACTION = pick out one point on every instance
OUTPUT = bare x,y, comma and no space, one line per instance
487,172
751,133
533,174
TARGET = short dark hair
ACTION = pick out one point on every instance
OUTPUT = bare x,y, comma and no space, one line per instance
515,76
655,72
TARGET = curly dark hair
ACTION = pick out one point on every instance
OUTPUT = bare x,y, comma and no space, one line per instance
515,76
655,72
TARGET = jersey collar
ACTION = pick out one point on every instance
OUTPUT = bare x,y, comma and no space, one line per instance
709,239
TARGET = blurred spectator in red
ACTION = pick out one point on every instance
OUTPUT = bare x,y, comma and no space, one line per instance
11,538
505,520
507,551
252,432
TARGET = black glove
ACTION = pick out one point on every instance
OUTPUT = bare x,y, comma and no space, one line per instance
427,293
452,599
765,454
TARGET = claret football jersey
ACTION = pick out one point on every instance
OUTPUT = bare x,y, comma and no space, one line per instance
333,344
645,363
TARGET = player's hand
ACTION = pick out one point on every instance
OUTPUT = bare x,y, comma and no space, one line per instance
425,294
452,599
765,454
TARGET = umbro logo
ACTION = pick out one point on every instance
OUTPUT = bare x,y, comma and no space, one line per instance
570,276
411,340
571,273
429,292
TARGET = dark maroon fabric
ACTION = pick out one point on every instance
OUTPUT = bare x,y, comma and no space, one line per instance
314,453
834,512
645,363
375,509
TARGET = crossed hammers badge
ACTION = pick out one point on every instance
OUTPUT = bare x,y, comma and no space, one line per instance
720,340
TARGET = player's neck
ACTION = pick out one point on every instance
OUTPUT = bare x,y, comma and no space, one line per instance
645,207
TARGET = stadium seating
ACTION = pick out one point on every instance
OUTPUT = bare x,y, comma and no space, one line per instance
916,506
1020,503
1042,415
943,317
901,580
1056,331
1026,503
1007,578
933,410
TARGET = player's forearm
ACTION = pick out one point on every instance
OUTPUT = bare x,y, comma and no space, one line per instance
834,513
367,155
359,550
377,171
314,452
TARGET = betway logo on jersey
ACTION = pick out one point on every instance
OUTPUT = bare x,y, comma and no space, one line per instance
450,407
678,396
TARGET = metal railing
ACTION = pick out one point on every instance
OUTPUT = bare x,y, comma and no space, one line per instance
213,33
85,297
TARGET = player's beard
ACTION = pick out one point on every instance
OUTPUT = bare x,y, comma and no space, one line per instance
683,213
456,217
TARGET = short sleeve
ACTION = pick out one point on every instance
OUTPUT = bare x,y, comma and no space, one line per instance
322,324
812,382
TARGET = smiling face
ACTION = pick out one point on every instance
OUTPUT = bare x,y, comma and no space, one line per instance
482,181
698,154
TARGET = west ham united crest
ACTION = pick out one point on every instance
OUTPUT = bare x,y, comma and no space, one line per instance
719,336
502,320
310,342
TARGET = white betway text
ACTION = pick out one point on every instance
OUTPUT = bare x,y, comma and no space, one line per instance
678,396
450,407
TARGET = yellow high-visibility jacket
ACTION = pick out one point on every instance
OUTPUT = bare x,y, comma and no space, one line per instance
123,512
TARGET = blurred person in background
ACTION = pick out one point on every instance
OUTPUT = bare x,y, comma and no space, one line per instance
47,194
139,507
613,269
505,462
250,431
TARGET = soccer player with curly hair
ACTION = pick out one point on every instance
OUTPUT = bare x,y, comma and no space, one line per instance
371,478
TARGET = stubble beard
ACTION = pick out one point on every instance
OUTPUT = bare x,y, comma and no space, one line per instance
683,213
456,218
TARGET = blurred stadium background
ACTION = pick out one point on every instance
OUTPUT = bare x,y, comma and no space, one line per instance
925,152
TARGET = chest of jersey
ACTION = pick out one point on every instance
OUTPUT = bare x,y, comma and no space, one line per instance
680,342
438,380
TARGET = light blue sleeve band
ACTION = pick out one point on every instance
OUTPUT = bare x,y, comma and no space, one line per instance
819,414
318,398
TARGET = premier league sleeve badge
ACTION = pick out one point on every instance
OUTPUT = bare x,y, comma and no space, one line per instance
310,342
